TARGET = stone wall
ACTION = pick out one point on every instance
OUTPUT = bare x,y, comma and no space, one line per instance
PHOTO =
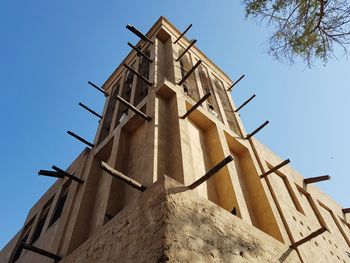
170,223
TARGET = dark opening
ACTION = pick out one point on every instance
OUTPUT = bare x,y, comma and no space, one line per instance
141,86
42,221
126,95
108,116
59,208
20,248
60,203
24,236
39,228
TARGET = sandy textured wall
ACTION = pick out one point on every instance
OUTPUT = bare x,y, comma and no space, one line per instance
170,223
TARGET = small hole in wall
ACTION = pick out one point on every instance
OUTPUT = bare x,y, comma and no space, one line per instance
336,245
294,218
309,228
324,238
330,242
338,257
301,223
241,253
301,234
316,243
332,253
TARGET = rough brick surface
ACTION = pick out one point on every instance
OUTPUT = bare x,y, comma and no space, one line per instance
136,234
170,223
200,231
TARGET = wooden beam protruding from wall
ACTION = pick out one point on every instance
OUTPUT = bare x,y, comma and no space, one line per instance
245,103
346,210
138,33
133,108
50,173
90,110
98,88
256,130
231,87
138,74
139,52
183,33
116,174
211,172
187,49
59,173
189,72
195,106
273,169
309,237
312,180
64,173
81,139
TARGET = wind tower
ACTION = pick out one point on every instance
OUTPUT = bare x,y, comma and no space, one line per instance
172,175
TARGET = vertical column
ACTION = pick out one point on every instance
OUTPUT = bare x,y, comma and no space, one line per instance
240,125
185,141
115,121
100,126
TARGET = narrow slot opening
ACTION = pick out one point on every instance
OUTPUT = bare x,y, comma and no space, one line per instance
42,219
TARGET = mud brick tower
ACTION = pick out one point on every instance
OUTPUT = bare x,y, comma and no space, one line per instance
172,175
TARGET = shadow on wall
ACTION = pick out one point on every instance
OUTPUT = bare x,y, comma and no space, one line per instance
198,232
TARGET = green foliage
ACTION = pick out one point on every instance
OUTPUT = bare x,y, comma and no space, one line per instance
308,29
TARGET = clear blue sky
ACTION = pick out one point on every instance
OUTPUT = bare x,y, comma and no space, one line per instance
50,49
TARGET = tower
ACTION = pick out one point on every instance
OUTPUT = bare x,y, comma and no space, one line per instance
173,176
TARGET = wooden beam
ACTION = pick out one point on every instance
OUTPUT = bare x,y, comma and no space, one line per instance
183,33
138,74
312,180
346,210
122,177
211,172
138,33
90,110
50,173
80,139
256,130
230,88
64,173
133,108
138,51
245,103
309,237
285,162
189,72
98,88
187,49
195,106
41,251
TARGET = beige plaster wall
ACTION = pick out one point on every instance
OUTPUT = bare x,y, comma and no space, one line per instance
170,223
304,209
